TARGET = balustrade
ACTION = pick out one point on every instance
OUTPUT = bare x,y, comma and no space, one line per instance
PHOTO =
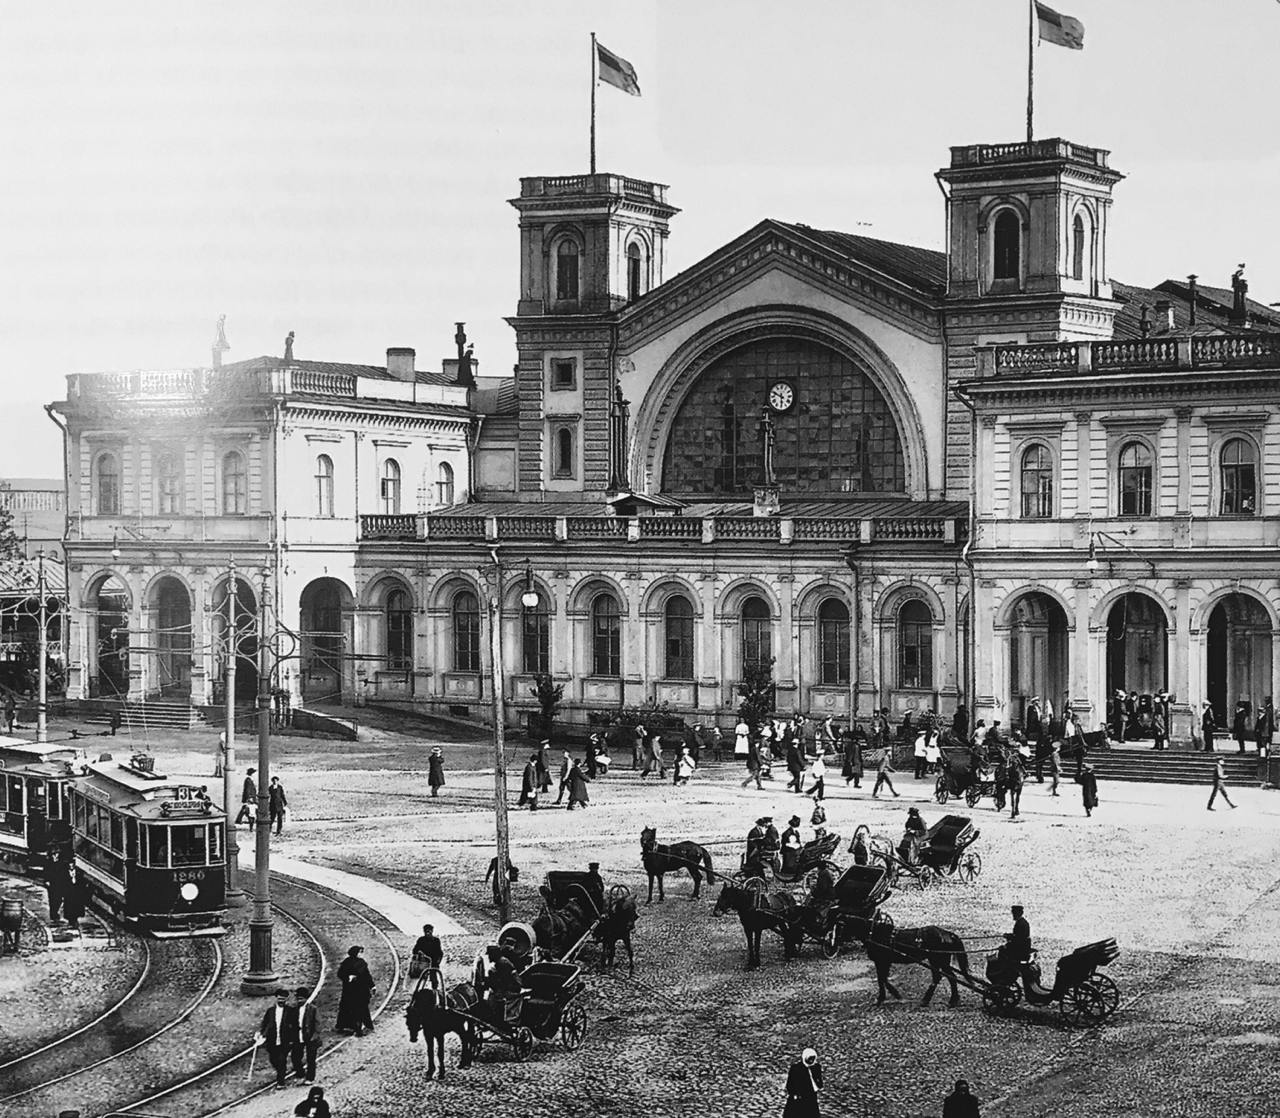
389,526
594,527
455,527
526,527
909,528
746,528
1236,349
671,527
1051,355
1149,351
323,384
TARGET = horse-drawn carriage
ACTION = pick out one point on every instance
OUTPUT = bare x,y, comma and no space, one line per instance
578,910
815,856
1083,995
857,895
942,851
964,775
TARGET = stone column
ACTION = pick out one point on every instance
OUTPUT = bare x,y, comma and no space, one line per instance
786,644
202,652
1083,696
706,666
1179,637
1084,475
986,702
634,676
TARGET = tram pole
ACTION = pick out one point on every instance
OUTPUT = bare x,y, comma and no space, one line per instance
233,891
502,879
42,651
261,981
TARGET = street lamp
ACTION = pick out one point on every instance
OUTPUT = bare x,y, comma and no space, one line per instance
229,749
1093,563
529,599
115,545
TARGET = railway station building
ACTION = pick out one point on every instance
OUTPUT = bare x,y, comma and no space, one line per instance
905,477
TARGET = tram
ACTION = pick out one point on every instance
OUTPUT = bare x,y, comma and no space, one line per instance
35,783
151,850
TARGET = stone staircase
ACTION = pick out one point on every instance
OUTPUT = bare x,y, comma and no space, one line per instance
153,714
1171,767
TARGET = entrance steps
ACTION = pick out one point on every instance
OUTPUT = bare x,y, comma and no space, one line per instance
1168,766
152,714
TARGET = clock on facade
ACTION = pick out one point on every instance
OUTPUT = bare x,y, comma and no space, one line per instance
781,396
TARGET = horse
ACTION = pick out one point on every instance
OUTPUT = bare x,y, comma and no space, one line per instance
1014,775
558,929
758,910
931,945
616,922
433,1011
659,860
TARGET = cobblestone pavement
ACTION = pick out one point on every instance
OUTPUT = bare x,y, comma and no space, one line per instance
1190,896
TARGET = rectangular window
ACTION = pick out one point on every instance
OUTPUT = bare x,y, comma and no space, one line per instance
157,846
215,842
679,647
1238,489
915,666
189,845
117,834
1135,491
606,646
833,644
564,374
535,642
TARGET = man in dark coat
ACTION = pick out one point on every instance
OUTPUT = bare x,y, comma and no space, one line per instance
277,801
430,947
566,763
1018,941
529,785
248,799
1033,720
1208,726
1117,716
791,845
11,713
960,723
308,1035
435,770
357,989
804,1080
795,766
1265,727
577,784
1088,787
1240,724
543,764
278,1031
960,1104
851,769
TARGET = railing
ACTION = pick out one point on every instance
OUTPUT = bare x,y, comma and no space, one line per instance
323,384
909,528
746,528
586,527
389,526
1018,153
456,527
170,382
671,527
526,527
1052,355
826,528
1219,351
1236,349
1109,355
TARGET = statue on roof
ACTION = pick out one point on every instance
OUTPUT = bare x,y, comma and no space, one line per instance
466,357
288,347
1239,289
220,345
769,437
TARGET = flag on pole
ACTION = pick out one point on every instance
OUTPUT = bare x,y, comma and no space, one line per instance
1057,28
617,71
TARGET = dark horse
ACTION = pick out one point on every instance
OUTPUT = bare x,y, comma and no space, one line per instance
659,860
433,1011
758,910
558,930
932,946
616,922
1011,786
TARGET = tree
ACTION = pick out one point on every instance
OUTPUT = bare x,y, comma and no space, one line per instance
758,692
549,695
10,544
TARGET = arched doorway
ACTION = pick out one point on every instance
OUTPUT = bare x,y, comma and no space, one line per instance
110,606
245,610
1237,655
1137,646
325,605
171,611
1038,654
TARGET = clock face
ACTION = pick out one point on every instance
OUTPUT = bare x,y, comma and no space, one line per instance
781,396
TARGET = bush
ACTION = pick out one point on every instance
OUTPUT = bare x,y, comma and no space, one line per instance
758,694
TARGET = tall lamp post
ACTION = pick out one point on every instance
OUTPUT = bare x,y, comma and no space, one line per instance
261,979
233,891
42,652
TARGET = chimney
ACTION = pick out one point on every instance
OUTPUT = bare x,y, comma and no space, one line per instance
1144,321
1164,315
1192,295
400,363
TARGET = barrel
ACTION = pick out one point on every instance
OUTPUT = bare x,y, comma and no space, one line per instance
11,913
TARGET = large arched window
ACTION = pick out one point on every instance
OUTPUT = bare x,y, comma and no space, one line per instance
1077,248
833,641
915,645
324,486
1135,480
466,632
635,271
606,636
1037,482
535,637
107,467
678,638
1239,478
1007,236
399,631
390,486
567,271
757,634
444,485
235,485
168,484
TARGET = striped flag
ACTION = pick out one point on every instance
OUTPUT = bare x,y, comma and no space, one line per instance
1057,28
617,71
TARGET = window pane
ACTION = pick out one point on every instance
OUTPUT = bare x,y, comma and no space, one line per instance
444,484
235,485
188,844
606,637
399,621
466,632
324,485
535,639
1006,245
157,845
567,271
679,639
1239,478
757,634
833,642
108,485
915,645
1037,483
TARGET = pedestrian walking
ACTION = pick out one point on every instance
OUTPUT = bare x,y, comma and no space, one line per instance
818,770
795,766
684,767
753,764
566,763
113,721
308,1035
313,1106
882,774
435,770
357,988
595,746
577,781
277,1033
1088,782
1265,727
11,713
543,763
960,1104
1055,767
277,804
804,1081
1240,723
851,766
653,758
248,799
637,746
1220,784
221,759
529,784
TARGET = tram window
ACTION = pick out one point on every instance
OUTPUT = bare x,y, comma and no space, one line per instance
215,842
117,834
92,823
189,845
15,795
37,797
158,846
4,795
77,813
56,801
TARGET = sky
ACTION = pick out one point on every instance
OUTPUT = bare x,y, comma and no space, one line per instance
342,170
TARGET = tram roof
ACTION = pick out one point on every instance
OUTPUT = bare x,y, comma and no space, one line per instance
19,751
141,795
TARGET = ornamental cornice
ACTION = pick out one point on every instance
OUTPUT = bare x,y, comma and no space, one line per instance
404,420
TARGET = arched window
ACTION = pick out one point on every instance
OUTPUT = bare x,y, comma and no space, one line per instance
399,632
324,485
466,632
390,487
1135,480
915,645
606,636
168,485
235,485
757,634
108,470
1239,478
535,637
1037,482
678,638
567,271
833,641
444,485
635,271
1008,234
1077,248
564,457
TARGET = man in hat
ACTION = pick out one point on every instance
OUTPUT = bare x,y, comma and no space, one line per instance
1032,720
248,799
960,1104
1240,724
529,784
566,763
757,840
791,845
1208,725
576,782
1117,716
1220,784
1265,727
1018,941
430,947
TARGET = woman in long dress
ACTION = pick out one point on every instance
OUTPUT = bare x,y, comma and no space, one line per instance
435,771
357,989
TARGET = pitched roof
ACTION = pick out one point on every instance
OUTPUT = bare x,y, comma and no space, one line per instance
376,372
924,269
21,577
499,400
853,508
1213,311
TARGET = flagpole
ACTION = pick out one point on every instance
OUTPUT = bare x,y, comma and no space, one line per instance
594,63
1031,67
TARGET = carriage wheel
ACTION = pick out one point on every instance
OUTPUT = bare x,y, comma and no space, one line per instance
831,942
1108,992
941,792
1083,1005
573,1027
924,876
522,1044
1001,1000
969,866
618,893
972,796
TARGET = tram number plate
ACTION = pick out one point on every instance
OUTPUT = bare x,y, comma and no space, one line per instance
183,876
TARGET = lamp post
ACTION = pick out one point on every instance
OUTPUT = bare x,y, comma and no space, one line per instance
229,750
42,651
261,980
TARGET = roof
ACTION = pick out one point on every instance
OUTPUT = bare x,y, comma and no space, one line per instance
138,794
21,576
41,483
924,269
499,400
1213,311
851,508
15,751
376,372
